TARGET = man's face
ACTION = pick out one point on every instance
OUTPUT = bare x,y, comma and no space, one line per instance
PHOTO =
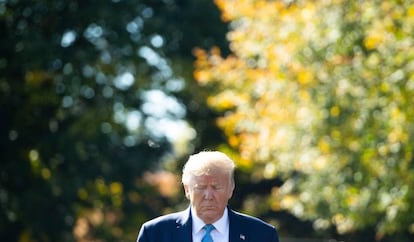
209,195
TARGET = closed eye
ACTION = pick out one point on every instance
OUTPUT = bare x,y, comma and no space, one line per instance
200,188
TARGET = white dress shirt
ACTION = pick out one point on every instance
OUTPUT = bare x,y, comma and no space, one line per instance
219,234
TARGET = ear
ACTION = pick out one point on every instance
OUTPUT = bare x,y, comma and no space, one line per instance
231,192
187,192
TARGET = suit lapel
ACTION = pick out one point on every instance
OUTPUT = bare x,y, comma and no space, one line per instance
184,227
236,230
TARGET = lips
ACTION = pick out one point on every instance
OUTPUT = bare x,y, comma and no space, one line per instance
209,207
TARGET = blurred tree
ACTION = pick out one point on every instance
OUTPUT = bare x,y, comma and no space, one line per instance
320,94
89,107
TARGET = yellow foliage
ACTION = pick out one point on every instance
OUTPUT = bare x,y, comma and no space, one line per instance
234,141
344,223
101,187
82,194
373,40
324,146
321,89
37,78
116,188
288,201
335,111
25,236
320,163
305,77
202,76
46,174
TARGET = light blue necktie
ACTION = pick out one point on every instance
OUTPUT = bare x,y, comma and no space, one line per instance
207,235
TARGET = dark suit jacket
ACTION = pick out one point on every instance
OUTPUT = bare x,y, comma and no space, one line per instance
177,227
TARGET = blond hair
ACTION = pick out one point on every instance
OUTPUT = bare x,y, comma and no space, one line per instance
205,161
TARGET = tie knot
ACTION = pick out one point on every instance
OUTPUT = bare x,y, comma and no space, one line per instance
208,227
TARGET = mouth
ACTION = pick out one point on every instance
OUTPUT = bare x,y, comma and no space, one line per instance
209,207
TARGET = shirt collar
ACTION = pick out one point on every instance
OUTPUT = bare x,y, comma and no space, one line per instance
220,225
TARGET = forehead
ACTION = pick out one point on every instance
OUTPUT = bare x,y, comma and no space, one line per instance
212,176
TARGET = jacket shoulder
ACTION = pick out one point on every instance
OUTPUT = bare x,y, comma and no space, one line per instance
165,219
249,219
165,227
251,226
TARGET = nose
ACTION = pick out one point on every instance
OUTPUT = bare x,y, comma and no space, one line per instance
208,193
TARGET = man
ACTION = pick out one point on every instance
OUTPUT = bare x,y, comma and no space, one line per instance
208,179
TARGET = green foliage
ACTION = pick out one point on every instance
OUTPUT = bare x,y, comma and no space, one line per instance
79,129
